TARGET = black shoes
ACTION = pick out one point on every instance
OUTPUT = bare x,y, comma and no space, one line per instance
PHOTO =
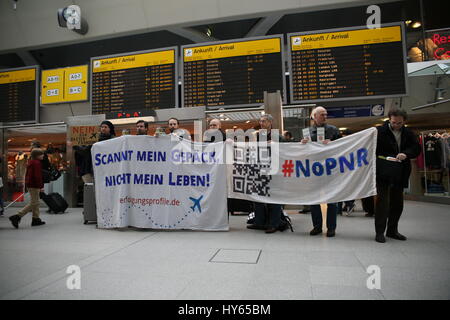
315,232
370,215
15,219
331,233
256,227
380,238
37,222
271,230
396,235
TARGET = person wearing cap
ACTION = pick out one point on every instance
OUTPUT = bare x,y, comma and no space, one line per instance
106,131
34,183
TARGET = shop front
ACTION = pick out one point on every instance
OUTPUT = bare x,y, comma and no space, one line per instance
16,147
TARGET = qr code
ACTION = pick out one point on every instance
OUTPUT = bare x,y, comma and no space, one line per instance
251,169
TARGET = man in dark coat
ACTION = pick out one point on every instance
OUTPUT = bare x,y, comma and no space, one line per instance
396,141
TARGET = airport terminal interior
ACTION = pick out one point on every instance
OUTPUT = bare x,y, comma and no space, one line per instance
69,69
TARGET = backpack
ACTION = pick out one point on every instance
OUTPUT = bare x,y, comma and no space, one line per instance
286,222
50,175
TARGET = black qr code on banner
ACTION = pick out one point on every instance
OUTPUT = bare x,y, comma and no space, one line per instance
251,178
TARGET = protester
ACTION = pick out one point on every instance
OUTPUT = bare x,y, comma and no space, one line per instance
174,128
287,135
106,131
141,128
319,117
268,216
396,141
34,183
215,132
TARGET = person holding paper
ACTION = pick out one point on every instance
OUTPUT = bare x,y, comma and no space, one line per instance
322,132
396,145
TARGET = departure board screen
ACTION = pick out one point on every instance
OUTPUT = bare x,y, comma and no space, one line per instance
141,81
233,73
18,95
347,64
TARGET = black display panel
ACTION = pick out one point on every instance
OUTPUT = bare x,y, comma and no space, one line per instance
347,64
233,73
18,95
143,81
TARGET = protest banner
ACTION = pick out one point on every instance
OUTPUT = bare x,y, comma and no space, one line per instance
160,183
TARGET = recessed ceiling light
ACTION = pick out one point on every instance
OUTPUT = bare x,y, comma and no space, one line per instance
416,25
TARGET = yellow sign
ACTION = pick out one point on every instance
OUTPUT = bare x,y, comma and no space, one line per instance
76,84
346,38
232,49
18,76
84,135
64,85
134,61
52,86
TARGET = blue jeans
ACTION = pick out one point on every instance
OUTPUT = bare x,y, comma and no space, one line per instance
316,215
268,214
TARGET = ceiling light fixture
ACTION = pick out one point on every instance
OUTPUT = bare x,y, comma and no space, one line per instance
416,25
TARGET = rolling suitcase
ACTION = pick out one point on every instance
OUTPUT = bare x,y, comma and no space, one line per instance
55,202
89,206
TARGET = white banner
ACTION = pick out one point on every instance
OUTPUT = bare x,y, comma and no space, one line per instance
311,173
159,183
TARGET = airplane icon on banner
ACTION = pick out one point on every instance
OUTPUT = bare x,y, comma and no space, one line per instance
196,203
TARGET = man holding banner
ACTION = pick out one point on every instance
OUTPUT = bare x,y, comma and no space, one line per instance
321,131
267,215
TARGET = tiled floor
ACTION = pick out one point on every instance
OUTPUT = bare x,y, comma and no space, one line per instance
239,264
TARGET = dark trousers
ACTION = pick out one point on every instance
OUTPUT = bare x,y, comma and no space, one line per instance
346,204
368,204
388,208
268,214
316,215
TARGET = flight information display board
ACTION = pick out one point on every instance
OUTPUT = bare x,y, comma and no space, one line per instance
64,85
346,64
19,95
232,73
139,81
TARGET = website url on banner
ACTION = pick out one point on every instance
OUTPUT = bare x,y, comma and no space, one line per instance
150,201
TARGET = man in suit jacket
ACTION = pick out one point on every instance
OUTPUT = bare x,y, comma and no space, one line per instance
396,141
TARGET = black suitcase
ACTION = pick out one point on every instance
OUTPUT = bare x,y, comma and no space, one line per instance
89,206
239,205
55,202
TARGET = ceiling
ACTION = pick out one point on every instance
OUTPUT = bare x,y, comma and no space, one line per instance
272,23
